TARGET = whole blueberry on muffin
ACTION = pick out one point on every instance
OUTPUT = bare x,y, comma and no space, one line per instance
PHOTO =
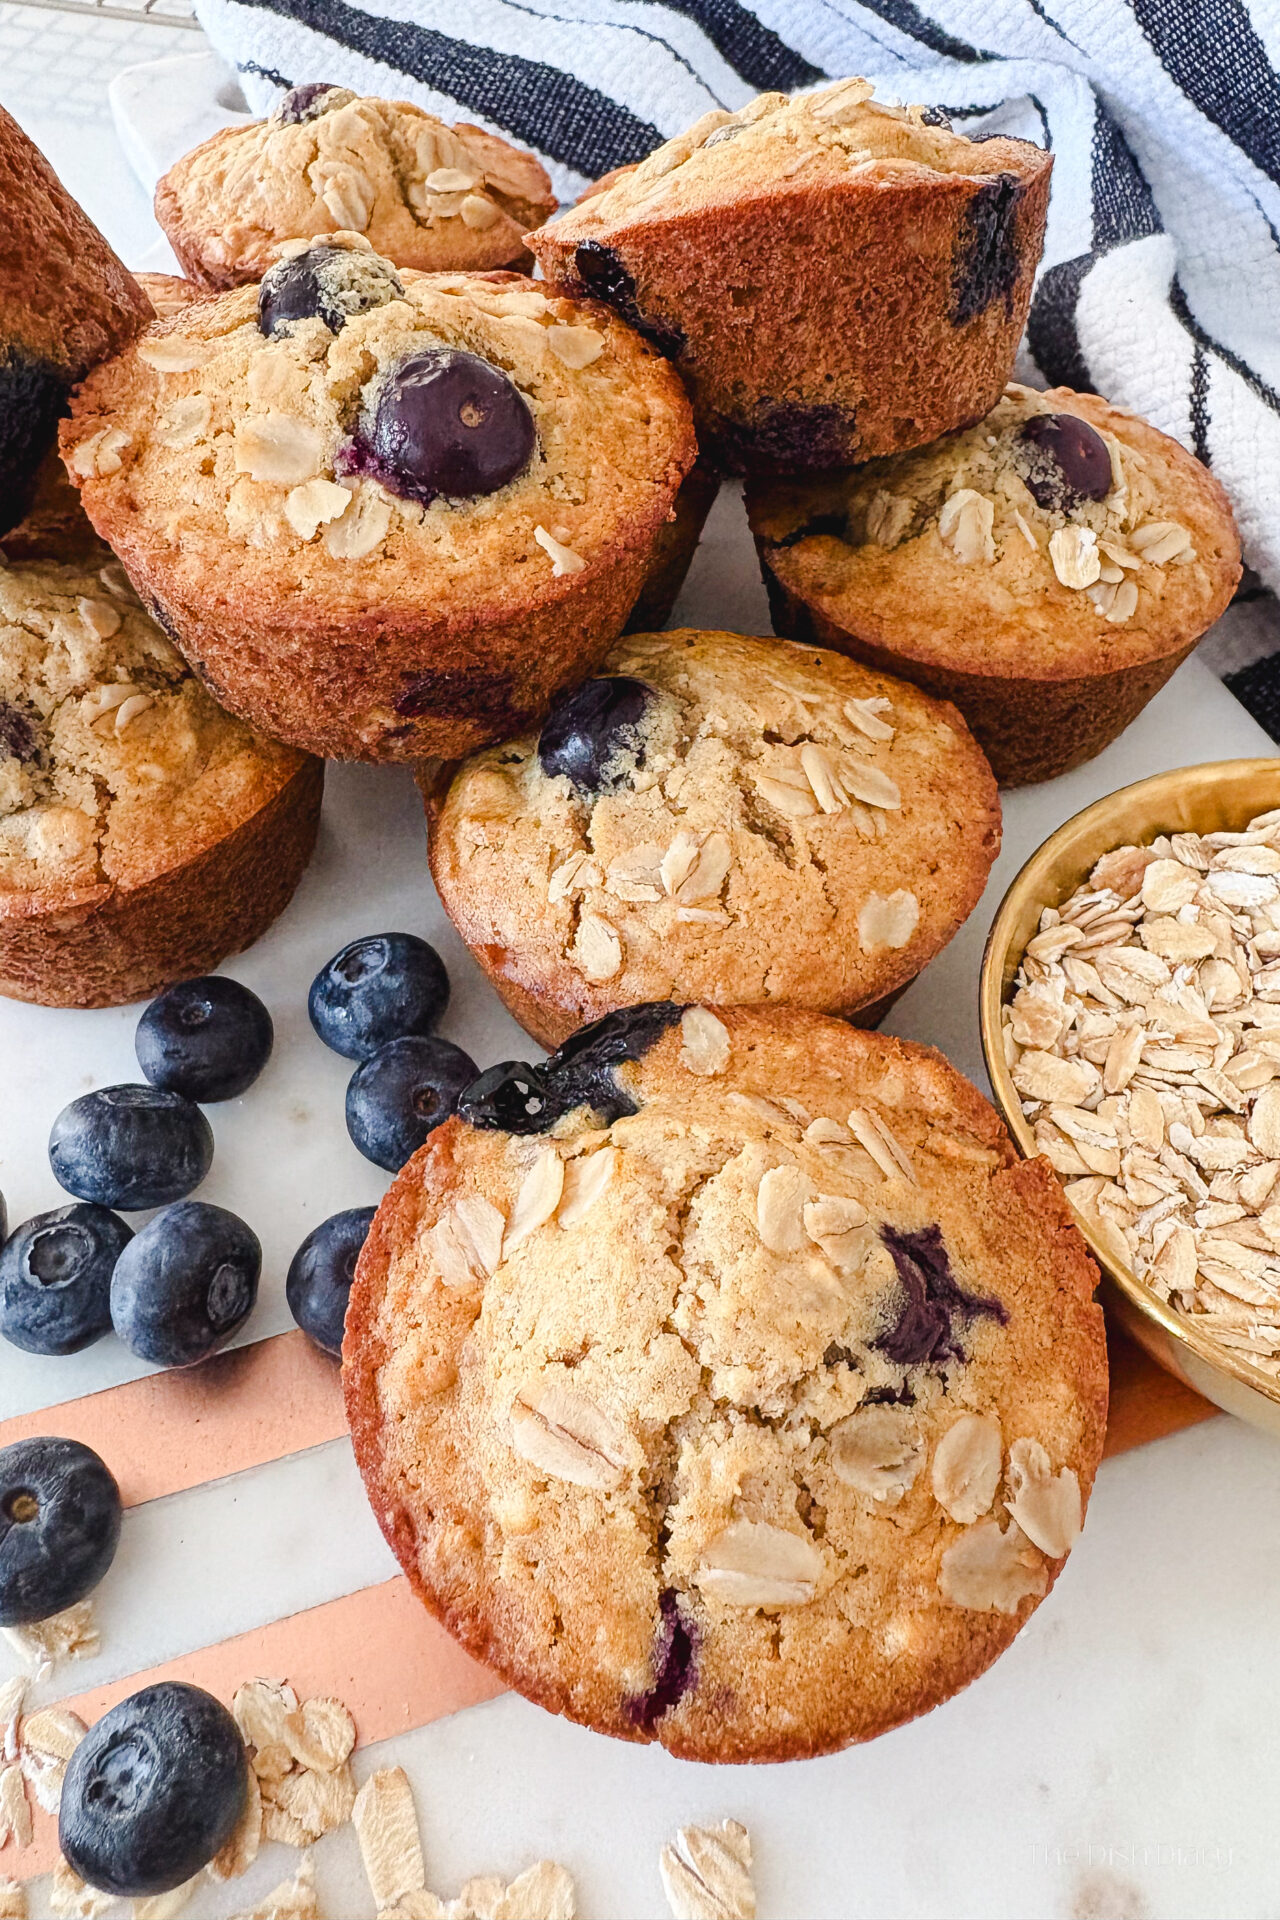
144,833
385,514
1047,570
835,278
746,1397
716,818
439,198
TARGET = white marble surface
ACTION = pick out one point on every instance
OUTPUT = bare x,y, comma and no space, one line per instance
1118,1764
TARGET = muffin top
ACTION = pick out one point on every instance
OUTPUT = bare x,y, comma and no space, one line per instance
450,199
115,764
1060,534
743,1397
347,439
718,818
778,144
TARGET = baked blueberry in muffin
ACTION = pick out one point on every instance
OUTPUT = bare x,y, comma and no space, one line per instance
439,198
66,302
1047,570
746,1397
834,277
385,514
144,833
719,819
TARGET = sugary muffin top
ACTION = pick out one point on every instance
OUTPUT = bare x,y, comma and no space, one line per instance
370,438
1057,523
439,198
778,143
115,764
720,818
743,1396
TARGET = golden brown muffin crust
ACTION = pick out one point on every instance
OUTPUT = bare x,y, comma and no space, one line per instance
626,1402
438,198
785,826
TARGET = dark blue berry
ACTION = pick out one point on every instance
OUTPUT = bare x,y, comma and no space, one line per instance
603,275
512,1097
302,103
185,1283
1063,461
929,1302
325,283
153,1791
399,1095
443,421
130,1146
321,1272
59,1526
377,989
55,1278
593,734
18,737
207,1039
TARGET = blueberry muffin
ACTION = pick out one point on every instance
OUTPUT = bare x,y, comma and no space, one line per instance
144,834
442,199
385,515
65,302
717,819
728,1381
1047,570
835,279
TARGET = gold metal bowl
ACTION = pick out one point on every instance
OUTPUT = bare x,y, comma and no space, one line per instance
1222,795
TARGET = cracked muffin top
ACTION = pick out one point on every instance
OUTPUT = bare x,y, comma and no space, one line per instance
717,818
345,438
115,764
439,198
728,1381
779,142
1059,532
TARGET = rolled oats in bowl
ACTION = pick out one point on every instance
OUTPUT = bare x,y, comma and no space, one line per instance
1142,1034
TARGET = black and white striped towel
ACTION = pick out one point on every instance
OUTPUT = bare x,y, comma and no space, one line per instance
1160,285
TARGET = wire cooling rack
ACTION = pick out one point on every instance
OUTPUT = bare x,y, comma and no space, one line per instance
160,13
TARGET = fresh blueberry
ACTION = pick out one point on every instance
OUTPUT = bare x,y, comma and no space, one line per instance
303,103
130,1146
207,1039
403,1091
325,283
1063,461
321,1272
55,1278
59,1526
593,734
185,1283
153,1791
377,989
443,422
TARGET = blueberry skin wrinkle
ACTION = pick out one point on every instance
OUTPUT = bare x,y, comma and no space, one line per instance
381,987
130,1146
207,1039
515,1097
593,734
924,1333
59,1527
320,1275
55,1278
153,1791
185,1284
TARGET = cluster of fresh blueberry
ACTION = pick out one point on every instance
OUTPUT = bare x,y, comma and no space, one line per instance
180,1287
157,1786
